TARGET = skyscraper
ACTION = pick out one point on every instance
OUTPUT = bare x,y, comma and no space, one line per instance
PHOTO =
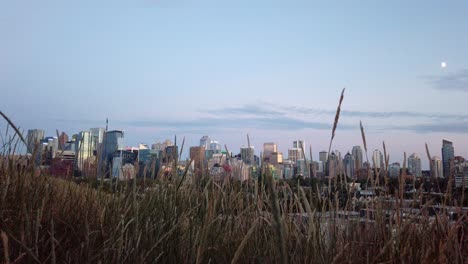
63,139
349,165
197,155
248,155
357,155
84,149
394,170
437,168
34,139
377,159
268,150
447,157
294,154
205,142
323,156
113,141
414,165
300,145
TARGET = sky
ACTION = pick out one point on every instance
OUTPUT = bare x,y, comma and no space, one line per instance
270,69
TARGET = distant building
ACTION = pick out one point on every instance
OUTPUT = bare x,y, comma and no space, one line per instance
112,142
323,156
377,159
448,154
197,155
294,155
62,139
414,165
333,165
34,139
349,165
300,145
205,142
248,155
84,149
461,175
394,170
437,167
357,155
171,154
268,150
276,158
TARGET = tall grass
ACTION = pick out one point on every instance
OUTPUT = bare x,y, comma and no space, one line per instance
51,220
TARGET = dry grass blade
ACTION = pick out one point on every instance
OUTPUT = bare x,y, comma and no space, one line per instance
239,250
337,117
6,254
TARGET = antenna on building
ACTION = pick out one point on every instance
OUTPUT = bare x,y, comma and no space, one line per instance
107,123
248,141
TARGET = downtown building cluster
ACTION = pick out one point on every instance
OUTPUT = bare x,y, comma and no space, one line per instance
100,152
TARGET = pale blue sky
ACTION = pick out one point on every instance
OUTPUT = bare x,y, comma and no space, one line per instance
273,69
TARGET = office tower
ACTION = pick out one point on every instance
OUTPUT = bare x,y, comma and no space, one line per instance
293,155
357,155
377,159
34,139
300,145
333,165
47,150
197,155
414,165
97,135
205,142
349,165
62,139
171,154
276,158
248,155
323,156
157,147
84,149
113,141
437,167
447,157
215,146
268,150
394,170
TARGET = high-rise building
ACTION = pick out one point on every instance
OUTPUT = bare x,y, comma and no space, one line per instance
349,165
34,139
205,142
448,154
97,135
300,145
437,167
197,155
276,158
63,139
333,165
357,155
323,156
248,155
414,165
113,141
215,146
84,149
394,170
377,159
268,150
294,155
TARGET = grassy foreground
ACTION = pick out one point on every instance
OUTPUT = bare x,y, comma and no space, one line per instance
44,219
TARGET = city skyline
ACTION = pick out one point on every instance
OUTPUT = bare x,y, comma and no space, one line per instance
190,68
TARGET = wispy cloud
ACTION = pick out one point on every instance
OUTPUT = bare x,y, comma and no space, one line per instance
273,110
454,81
282,123
434,127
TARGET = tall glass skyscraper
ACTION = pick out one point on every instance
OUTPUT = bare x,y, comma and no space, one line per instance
357,155
448,154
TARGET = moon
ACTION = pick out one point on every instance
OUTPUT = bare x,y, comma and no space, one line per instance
443,64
